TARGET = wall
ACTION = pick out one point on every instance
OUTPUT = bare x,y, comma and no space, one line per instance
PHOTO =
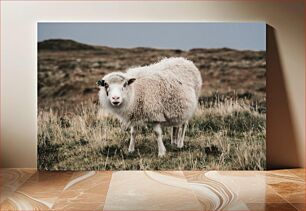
286,63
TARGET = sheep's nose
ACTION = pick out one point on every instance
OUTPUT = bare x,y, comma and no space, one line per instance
115,98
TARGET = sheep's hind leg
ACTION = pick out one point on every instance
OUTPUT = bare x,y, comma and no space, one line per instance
132,141
158,132
174,135
181,136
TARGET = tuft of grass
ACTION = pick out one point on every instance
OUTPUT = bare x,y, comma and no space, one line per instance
227,135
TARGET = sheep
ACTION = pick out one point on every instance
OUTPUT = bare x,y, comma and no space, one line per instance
161,94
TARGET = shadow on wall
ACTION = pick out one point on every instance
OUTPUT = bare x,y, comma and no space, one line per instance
281,140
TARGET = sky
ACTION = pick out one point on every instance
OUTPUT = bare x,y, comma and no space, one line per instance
185,36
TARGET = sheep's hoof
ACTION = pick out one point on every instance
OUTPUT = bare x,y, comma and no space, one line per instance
162,153
173,142
180,145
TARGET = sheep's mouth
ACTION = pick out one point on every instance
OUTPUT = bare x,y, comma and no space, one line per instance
116,103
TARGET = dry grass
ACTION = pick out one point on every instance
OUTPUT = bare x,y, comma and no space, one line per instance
222,135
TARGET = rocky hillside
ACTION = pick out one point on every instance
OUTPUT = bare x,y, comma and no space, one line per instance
68,70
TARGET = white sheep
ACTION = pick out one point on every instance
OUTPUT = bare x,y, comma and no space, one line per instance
161,94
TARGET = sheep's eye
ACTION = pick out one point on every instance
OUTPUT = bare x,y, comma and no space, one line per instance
106,85
125,84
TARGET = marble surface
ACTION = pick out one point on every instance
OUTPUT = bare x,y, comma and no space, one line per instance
12,179
28,189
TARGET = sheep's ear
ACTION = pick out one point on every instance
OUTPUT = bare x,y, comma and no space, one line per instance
100,83
130,81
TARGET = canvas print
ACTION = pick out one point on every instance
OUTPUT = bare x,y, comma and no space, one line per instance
151,96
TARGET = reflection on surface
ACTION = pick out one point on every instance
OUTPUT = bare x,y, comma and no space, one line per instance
28,189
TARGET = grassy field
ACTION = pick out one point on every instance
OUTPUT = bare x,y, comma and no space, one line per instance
223,135
227,132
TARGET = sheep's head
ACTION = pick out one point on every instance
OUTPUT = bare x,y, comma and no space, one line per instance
116,88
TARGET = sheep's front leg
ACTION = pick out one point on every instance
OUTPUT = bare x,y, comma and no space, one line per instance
132,141
158,132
